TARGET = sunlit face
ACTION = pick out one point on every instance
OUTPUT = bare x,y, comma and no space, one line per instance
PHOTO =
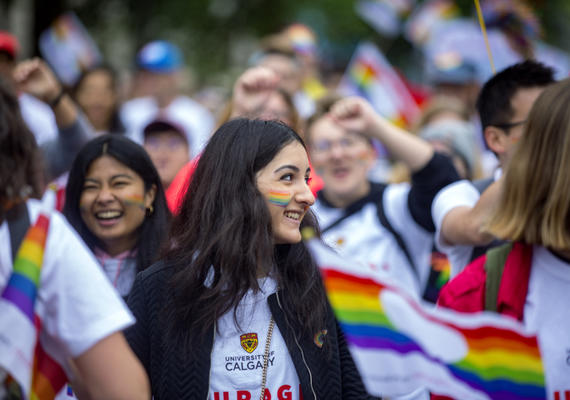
97,98
342,159
113,203
284,185
169,153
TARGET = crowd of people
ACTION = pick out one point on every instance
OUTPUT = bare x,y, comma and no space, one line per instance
177,267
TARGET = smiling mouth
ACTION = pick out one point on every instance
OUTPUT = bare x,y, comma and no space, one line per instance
294,215
108,215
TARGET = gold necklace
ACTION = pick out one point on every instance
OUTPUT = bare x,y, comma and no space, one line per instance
266,357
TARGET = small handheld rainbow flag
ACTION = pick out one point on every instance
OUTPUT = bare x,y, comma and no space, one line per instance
399,344
370,75
21,353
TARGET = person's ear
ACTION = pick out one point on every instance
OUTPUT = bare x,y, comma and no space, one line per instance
149,196
496,139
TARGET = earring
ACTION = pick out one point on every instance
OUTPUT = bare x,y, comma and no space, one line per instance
149,210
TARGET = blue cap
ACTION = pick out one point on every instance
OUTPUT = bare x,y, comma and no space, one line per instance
159,56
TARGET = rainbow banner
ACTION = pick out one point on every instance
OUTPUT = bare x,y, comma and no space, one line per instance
21,353
401,344
371,76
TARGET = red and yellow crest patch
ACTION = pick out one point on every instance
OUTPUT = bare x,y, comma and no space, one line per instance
249,341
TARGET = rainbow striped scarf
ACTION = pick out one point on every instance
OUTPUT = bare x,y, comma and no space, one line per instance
21,353
400,344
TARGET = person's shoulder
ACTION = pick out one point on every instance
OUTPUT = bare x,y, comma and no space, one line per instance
466,292
159,270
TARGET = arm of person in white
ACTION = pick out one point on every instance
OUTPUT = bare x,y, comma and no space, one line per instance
357,115
460,214
110,370
84,317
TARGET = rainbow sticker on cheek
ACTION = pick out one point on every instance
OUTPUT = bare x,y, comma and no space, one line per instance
279,198
136,200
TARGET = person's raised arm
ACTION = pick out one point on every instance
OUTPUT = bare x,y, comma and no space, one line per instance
251,90
357,115
36,78
464,225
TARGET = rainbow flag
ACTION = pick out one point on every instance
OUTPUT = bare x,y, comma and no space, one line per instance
401,344
371,76
21,353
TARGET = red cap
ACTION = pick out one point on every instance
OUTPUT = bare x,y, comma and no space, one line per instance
9,44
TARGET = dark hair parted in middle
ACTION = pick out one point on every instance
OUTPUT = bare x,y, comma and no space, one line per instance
223,237
154,228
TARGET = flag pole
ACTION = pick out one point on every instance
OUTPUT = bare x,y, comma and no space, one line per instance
484,30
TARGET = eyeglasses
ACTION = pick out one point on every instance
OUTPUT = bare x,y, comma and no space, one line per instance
508,125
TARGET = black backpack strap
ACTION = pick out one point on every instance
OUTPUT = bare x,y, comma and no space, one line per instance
494,267
386,224
18,220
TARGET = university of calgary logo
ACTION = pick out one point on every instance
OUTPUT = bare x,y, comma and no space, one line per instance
248,341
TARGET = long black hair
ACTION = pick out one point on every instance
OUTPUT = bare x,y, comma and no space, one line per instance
223,235
20,159
154,228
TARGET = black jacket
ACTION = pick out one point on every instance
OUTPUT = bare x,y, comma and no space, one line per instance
175,375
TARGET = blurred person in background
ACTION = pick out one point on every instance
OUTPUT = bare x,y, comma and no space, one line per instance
168,147
96,92
157,83
388,226
277,53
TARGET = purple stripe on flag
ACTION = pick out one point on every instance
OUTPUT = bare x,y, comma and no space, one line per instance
20,300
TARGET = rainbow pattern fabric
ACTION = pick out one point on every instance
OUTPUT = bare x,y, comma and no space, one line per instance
370,75
21,353
399,343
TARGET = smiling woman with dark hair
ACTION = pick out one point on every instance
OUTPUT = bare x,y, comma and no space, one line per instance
237,305
115,201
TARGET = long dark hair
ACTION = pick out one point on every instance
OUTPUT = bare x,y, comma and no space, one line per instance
154,228
223,235
20,160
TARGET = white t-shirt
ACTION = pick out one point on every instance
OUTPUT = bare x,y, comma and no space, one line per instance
458,194
363,238
546,310
237,356
196,120
76,303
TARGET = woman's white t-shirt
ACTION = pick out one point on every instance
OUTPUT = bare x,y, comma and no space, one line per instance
237,355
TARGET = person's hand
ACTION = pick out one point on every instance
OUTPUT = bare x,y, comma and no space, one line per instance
356,115
36,78
252,89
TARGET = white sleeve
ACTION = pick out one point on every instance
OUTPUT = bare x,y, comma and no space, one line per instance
458,194
80,305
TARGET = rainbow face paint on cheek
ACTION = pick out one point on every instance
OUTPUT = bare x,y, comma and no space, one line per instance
135,200
279,198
